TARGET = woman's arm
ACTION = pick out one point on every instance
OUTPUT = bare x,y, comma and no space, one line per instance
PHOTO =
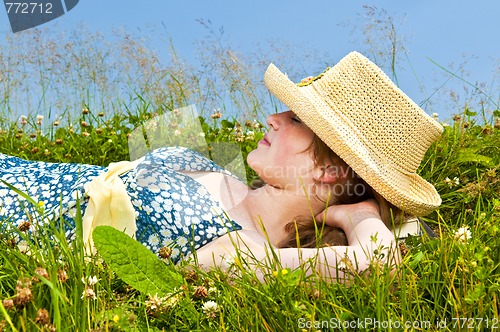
369,239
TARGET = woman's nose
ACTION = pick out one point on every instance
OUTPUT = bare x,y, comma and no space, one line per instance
273,121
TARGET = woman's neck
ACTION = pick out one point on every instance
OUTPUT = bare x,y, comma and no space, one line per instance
266,210
270,209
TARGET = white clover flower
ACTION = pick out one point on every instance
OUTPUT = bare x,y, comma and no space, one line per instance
342,266
210,309
451,183
23,119
216,115
92,280
250,135
463,234
213,291
89,293
153,303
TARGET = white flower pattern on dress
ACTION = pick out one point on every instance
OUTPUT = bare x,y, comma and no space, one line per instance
171,208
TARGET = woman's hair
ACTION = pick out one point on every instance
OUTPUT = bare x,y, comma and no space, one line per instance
348,189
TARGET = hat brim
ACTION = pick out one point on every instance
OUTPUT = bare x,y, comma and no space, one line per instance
408,191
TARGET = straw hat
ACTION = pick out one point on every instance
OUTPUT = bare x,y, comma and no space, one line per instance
368,122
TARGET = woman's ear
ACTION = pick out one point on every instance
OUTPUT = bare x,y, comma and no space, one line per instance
329,174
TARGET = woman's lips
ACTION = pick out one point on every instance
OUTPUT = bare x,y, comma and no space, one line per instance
265,141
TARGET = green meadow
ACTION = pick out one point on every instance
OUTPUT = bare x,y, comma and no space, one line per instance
69,99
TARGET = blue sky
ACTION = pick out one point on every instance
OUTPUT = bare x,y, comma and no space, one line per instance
446,31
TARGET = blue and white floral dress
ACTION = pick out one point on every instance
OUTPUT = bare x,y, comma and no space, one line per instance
171,208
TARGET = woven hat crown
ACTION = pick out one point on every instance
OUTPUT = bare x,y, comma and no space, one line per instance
388,122
370,123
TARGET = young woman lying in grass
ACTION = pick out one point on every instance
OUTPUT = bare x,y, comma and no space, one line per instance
337,170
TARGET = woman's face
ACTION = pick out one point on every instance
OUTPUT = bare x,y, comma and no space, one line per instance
283,158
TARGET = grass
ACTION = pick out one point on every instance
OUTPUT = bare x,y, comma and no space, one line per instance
447,283
51,284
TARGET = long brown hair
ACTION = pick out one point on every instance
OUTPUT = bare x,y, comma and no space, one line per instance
307,233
